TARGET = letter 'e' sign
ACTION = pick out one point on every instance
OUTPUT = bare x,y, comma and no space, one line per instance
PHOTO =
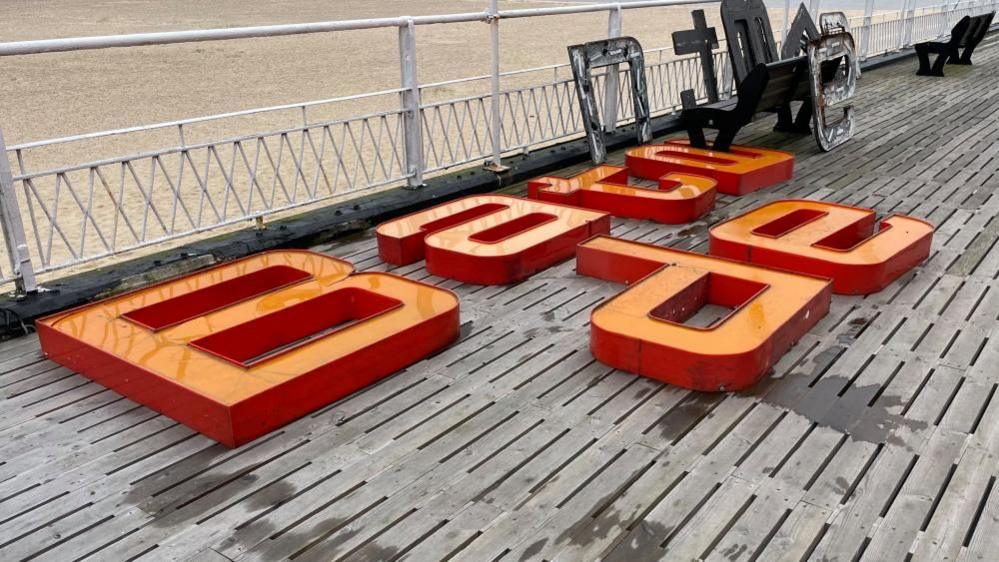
648,328
742,170
489,239
828,240
680,198
238,350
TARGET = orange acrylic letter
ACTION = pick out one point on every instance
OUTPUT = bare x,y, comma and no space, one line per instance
680,198
642,329
826,239
241,349
489,239
743,170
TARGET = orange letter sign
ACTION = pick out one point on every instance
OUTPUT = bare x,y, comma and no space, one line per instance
743,170
826,239
241,349
680,198
642,329
489,239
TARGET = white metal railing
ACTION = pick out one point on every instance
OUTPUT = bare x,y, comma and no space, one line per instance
68,215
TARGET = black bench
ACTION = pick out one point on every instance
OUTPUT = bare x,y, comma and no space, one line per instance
767,87
966,34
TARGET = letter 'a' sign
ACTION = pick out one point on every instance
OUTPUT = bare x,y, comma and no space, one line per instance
828,240
642,329
680,198
489,239
742,170
238,350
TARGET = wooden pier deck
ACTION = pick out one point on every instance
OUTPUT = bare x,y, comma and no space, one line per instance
875,438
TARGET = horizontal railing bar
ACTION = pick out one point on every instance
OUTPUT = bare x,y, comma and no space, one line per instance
562,82
193,120
509,73
199,146
586,8
195,36
200,35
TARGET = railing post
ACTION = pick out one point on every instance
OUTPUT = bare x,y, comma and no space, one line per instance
813,8
496,120
14,236
787,20
865,40
612,79
910,16
412,123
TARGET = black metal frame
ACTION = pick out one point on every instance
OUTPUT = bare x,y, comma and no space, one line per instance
750,43
702,40
750,37
802,31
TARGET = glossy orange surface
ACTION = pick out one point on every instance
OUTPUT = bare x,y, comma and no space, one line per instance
642,331
742,170
844,243
337,317
679,198
488,239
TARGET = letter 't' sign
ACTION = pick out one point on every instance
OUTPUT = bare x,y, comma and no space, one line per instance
826,239
238,350
680,198
742,170
642,329
489,239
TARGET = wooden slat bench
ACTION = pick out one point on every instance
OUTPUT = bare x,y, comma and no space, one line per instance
768,87
967,33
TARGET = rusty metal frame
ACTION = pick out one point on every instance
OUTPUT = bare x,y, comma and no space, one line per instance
598,54
833,66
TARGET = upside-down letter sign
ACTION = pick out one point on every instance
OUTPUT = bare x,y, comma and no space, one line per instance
241,349
489,239
680,198
742,170
828,240
642,329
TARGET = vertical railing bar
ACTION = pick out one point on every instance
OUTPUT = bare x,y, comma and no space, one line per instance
293,197
787,16
276,166
613,73
204,190
16,240
908,19
299,174
865,39
410,104
320,167
301,159
494,86
53,217
29,189
813,8
118,211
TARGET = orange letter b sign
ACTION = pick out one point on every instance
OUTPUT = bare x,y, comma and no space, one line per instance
642,330
241,349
